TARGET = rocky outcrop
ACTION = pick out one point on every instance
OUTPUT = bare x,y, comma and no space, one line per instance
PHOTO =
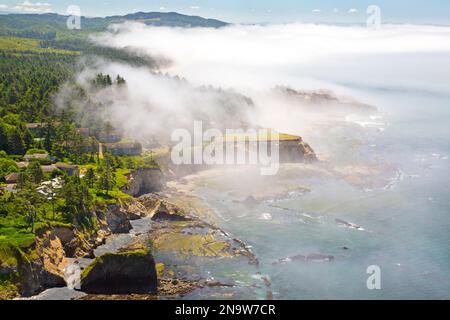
51,251
121,273
117,220
323,100
43,265
296,151
73,242
143,181
168,212
34,277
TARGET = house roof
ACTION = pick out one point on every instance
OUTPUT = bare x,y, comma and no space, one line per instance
36,156
49,168
37,125
83,130
128,145
13,176
63,166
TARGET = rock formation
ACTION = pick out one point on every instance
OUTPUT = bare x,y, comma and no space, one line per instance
121,273
143,181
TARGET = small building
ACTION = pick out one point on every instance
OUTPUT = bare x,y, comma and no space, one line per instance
22,164
36,129
84,132
112,136
71,170
49,169
36,156
85,146
13,178
124,149
11,188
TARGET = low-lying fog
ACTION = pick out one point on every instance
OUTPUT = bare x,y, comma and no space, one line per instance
244,73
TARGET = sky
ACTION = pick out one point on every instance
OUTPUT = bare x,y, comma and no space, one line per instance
254,11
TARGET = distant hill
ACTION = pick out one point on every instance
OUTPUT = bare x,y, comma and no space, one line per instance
52,26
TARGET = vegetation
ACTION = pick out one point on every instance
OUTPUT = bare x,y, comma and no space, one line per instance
100,260
53,26
38,55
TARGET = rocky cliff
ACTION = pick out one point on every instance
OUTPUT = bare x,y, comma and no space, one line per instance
43,265
296,151
121,273
143,181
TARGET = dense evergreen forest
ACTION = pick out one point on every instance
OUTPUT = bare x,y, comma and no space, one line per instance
52,169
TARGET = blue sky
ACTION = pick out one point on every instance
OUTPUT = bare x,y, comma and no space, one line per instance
398,11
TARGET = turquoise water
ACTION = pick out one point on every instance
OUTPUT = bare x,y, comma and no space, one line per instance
406,225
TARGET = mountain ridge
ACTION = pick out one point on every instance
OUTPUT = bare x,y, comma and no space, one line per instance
21,24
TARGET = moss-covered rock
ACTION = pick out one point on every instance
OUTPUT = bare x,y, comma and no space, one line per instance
121,273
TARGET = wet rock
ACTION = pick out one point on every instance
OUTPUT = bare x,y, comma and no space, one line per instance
319,257
348,224
121,273
250,202
309,257
164,212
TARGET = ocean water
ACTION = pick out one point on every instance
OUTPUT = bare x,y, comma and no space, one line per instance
404,227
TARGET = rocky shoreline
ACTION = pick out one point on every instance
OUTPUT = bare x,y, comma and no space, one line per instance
180,225
173,228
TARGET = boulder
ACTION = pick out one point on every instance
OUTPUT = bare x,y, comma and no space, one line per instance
131,272
167,212
117,219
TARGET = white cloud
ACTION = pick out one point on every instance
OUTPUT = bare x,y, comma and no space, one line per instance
265,56
335,10
253,59
33,7
194,7
162,8
316,11
353,10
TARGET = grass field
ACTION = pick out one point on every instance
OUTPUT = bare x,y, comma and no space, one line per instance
25,45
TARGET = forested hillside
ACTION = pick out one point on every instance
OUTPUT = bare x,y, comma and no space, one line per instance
53,26
52,170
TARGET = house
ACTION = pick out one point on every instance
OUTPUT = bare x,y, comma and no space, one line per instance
36,129
85,146
71,170
112,136
84,132
36,156
11,188
124,149
13,178
22,164
49,168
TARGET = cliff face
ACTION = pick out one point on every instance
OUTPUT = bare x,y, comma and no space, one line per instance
296,151
43,266
143,181
121,273
323,101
